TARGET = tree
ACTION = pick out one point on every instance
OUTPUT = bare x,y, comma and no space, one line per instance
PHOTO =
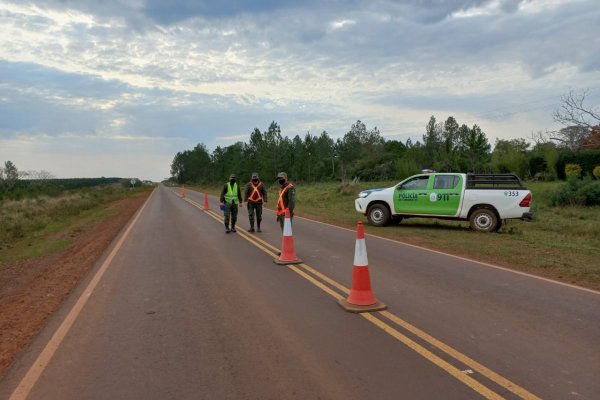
448,151
581,120
475,149
571,137
574,112
9,175
432,141
510,156
592,141
273,152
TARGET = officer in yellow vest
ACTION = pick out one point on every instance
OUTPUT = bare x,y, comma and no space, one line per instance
255,196
287,198
231,196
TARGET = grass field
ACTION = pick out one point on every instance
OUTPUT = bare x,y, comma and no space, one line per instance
561,243
34,227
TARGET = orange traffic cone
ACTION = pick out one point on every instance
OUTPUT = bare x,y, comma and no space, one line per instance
361,297
183,191
206,208
288,253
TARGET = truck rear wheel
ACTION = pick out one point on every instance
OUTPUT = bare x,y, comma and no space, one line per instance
483,220
378,215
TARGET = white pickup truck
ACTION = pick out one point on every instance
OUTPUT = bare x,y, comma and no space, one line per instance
485,200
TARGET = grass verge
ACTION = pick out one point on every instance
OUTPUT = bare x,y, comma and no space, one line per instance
40,226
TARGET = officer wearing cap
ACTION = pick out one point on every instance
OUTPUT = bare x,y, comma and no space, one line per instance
255,196
231,196
287,198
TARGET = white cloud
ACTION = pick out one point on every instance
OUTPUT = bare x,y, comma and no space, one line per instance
231,138
111,80
536,6
490,8
341,23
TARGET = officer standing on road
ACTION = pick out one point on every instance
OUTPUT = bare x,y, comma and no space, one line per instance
231,195
255,196
287,198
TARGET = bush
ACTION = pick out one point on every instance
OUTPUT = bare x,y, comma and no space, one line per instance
578,192
596,172
572,171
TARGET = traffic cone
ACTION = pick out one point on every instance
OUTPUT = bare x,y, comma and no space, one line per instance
206,208
183,191
288,253
361,297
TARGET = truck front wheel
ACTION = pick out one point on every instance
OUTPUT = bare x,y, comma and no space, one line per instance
483,220
378,215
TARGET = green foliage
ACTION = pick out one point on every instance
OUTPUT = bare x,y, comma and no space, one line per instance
51,187
596,172
9,175
578,192
510,156
587,159
20,217
364,153
572,171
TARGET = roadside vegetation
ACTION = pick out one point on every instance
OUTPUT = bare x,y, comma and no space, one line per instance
40,217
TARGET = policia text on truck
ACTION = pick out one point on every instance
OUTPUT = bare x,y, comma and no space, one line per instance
485,200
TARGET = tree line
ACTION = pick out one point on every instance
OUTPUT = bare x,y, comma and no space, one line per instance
364,153
15,184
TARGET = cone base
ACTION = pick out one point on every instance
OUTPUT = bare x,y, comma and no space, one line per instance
281,262
353,308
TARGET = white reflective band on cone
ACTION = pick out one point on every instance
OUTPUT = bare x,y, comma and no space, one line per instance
360,254
287,227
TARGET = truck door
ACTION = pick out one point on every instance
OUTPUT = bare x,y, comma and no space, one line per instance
412,196
445,195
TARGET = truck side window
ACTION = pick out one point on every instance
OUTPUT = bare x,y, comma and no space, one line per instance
419,182
445,181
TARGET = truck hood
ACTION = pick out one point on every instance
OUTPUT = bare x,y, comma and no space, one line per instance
366,193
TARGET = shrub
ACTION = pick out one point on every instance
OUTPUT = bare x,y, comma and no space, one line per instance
572,171
577,192
596,172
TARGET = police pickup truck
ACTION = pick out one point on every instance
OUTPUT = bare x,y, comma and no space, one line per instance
485,200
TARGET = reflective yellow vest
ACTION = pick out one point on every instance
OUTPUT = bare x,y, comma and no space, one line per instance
231,195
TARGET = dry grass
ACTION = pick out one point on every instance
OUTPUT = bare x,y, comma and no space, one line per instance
23,219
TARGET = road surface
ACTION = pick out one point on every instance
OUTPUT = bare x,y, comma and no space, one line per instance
177,309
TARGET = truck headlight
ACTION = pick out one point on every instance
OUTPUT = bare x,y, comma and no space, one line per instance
362,195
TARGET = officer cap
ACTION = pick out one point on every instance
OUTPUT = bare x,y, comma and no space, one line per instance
255,175
282,175
232,176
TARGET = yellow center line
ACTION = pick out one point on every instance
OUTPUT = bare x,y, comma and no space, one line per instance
452,370
457,373
516,389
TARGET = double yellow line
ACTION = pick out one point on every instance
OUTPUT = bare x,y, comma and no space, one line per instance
391,324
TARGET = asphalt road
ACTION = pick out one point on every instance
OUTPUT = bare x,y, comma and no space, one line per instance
177,309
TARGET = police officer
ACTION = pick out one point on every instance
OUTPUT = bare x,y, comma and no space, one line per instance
231,196
255,196
287,198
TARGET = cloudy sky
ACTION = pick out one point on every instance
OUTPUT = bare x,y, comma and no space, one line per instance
115,88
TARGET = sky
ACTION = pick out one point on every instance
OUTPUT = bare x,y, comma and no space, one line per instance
117,87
